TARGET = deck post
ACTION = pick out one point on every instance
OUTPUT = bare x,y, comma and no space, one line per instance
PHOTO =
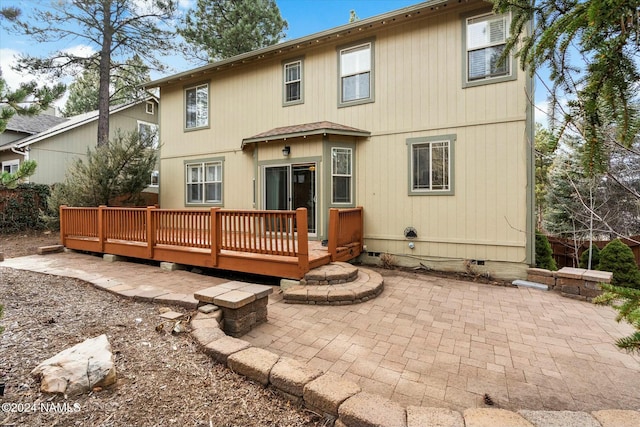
334,223
361,209
101,226
215,236
303,241
63,231
151,231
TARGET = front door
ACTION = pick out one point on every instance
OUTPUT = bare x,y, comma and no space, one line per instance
289,187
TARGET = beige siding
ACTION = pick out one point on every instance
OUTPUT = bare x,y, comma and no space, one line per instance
55,154
418,93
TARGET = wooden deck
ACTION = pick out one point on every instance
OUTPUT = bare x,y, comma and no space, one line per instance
272,243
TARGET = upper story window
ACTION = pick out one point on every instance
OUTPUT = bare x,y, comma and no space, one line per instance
486,38
431,165
149,130
150,108
356,74
293,82
197,106
341,175
155,179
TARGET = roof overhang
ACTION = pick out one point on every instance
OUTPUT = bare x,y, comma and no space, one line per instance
305,130
395,17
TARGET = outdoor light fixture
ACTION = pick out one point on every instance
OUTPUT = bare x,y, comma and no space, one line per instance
286,151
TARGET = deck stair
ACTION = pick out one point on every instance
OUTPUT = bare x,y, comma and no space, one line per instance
338,283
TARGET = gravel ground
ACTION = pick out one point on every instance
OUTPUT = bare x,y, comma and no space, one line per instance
163,379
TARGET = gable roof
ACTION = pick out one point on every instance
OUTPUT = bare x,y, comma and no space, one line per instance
71,123
33,124
394,17
307,129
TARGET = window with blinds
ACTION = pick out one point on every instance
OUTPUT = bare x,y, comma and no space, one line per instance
486,38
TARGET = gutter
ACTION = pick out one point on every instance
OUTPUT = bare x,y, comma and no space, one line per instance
24,152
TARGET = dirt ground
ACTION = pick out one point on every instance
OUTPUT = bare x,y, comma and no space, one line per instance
163,379
26,243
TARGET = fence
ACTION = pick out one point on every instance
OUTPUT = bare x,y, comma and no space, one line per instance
564,250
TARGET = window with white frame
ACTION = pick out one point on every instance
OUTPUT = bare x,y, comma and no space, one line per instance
155,179
356,73
486,38
293,82
341,175
204,182
150,108
149,130
11,166
431,165
197,106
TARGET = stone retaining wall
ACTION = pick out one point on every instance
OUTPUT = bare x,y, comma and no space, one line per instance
575,283
344,404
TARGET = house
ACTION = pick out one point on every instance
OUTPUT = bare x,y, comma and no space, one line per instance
58,141
407,114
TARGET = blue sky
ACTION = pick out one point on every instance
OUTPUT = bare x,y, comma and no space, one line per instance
303,16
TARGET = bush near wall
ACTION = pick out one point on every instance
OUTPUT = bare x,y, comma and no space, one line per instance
22,208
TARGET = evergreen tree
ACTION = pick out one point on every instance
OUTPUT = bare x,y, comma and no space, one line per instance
125,87
618,258
218,29
595,258
626,301
544,253
545,147
591,48
116,29
27,100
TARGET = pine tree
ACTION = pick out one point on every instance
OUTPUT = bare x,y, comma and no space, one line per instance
218,29
618,258
626,301
115,29
595,258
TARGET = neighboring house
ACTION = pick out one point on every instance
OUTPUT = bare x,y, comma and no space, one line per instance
21,127
56,146
407,114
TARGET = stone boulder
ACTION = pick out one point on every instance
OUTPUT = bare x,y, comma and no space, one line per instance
78,369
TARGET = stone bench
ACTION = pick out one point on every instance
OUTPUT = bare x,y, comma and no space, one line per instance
243,305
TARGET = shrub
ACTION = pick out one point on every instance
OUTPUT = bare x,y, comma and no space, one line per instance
626,301
595,258
22,208
544,254
618,258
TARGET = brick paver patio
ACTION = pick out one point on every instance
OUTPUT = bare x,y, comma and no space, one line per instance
431,341
425,340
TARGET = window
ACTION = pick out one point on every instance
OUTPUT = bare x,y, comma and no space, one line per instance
149,130
293,82
341,165
356,82
486,38
11,166
204,182
430,165
150,108
197,106
155,179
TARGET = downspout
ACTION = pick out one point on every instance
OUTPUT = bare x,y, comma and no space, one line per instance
24,153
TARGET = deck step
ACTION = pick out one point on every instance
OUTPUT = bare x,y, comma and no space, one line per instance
367,284
333,273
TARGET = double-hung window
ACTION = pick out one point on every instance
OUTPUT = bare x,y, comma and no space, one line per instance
293,82
486,38
204,182
341,175
431,165
197,106
356,74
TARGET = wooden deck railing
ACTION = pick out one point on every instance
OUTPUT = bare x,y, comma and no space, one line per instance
346,238
276,240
